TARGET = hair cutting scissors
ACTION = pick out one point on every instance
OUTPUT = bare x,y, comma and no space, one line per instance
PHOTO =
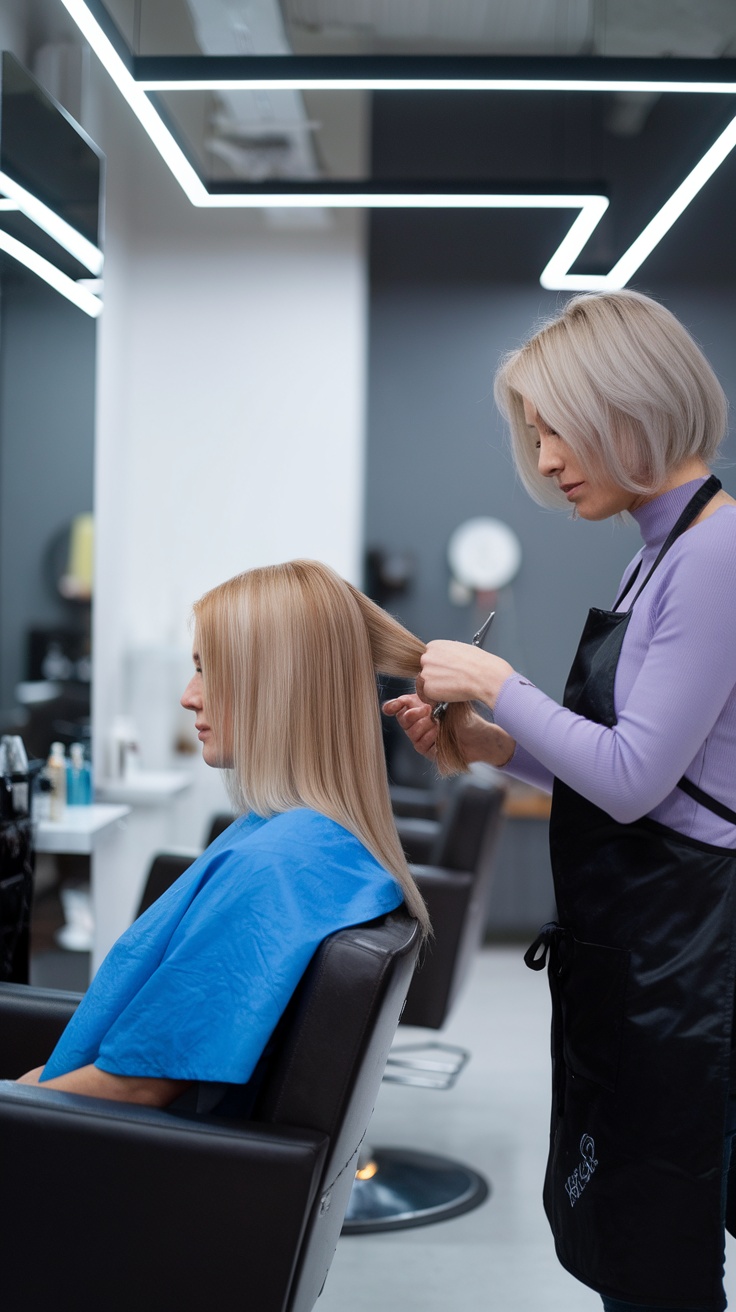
478,639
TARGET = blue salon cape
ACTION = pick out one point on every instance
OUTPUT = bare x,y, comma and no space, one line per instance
194,989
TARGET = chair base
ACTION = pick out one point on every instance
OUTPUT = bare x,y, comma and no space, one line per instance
409,1189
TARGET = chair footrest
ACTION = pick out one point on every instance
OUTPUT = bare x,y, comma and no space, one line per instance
426,1065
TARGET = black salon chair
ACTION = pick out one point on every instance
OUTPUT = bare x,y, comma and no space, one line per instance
218,824
399,1187
453,864
445,827
129,1207
164,870
421,803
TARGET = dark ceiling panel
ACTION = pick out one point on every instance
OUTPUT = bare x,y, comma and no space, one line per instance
562,138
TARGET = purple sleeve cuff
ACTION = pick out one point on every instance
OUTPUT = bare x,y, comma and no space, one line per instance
529,770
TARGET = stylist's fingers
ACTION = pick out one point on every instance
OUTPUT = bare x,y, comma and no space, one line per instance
450,671
394,706
424,738
415,718
400,706
408,710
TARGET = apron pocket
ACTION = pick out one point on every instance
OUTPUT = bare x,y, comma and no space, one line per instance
592,992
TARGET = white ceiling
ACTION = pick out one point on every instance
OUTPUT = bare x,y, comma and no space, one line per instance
505,27
284,134
655,28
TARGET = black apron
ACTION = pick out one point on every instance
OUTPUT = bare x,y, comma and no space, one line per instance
642,966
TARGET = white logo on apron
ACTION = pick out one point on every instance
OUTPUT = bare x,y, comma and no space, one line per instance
576,1182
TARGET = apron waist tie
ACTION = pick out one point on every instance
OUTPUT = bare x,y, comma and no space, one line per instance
556,943
552,939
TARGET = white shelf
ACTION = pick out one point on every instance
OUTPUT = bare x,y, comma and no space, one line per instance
79,831
144,788
40,690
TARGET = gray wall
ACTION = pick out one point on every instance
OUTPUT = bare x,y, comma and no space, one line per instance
47,382
441,315
451,291
437,454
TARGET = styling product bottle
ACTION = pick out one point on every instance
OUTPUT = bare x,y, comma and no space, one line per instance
78,781
56,771
124,750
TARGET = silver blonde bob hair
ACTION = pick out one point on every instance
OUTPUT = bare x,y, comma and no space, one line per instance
289,655
623,383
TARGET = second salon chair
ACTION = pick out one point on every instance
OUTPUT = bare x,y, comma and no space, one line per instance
396,1188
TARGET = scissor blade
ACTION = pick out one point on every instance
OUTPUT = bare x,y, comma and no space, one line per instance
479,638
440,709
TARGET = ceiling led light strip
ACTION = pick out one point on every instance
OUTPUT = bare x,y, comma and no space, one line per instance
73,292
141,106
424,84
52,223
431,200
663,220
555,276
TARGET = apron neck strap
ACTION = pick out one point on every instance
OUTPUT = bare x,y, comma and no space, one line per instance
693,508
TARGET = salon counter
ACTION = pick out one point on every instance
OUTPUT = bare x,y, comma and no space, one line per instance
83,829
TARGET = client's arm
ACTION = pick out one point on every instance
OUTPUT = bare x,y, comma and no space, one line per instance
96,1083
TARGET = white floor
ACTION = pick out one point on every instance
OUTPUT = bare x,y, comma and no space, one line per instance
498,1258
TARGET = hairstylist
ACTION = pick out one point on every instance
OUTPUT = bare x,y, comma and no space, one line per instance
612,407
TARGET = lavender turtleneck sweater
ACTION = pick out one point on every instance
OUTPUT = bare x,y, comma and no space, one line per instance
675,690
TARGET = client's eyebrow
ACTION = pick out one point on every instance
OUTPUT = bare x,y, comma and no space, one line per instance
195,657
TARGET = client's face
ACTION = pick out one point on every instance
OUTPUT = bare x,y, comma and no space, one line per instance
214,752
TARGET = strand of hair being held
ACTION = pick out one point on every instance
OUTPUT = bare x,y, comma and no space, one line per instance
398,652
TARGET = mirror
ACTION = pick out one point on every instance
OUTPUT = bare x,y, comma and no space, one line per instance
47,391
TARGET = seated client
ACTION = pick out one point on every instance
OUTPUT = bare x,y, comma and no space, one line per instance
285,701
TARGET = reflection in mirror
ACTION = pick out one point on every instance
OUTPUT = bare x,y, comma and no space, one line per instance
51,173
47,363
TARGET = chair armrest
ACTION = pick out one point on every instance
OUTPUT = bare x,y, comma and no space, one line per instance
418,838
419,803
31,1023
176,1211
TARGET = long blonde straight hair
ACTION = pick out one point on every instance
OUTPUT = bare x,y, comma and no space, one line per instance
289,655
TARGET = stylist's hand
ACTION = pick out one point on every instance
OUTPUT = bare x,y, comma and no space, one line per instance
415,717
480,740
460,672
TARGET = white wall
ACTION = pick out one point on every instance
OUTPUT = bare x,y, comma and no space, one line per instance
245,414
230,398
230,412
